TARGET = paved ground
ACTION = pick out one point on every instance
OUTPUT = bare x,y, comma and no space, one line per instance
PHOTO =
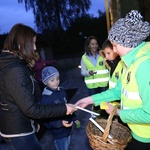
79,140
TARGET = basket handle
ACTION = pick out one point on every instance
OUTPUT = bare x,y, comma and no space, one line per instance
109,122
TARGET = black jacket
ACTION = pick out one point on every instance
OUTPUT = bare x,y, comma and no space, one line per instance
113,64
18,105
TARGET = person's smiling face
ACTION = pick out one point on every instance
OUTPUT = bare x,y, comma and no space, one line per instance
93,45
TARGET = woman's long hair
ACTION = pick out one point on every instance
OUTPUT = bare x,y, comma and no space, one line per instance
20,41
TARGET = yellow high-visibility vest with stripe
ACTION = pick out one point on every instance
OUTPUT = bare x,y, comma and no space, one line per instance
130,98
101,78
145,49
116,74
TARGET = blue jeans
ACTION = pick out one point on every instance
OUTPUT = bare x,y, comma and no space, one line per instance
29,142
47,141
62,144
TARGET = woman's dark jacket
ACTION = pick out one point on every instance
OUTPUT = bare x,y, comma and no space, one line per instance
18,105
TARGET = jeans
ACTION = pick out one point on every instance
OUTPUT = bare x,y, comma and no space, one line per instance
29,142
62,144
47,141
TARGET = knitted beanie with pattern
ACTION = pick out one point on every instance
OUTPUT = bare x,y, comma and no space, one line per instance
129,31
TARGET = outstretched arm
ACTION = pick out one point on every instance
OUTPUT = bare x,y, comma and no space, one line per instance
106,96
84,102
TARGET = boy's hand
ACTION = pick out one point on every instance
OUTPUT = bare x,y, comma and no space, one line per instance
67,124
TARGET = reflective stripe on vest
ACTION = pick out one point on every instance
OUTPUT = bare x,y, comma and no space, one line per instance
96,80
112,84
131,95
101,71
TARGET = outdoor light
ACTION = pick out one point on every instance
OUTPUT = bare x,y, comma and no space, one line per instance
79,66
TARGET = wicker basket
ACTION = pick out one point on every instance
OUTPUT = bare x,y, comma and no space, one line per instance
120,134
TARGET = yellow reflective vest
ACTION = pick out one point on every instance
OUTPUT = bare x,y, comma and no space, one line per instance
116,75
130,97
101,78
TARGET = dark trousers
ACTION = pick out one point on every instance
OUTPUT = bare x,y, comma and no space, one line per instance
136,145
97,90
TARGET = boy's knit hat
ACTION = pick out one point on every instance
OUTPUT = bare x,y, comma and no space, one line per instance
48,73
129,31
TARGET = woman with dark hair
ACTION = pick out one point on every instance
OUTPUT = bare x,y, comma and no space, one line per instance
18,99
93,68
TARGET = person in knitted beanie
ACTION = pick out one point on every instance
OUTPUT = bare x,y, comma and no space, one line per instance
130,31
128,37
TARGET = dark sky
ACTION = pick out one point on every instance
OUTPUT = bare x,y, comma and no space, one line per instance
12,12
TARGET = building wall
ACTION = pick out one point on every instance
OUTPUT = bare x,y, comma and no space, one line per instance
128,5
119,8
145,9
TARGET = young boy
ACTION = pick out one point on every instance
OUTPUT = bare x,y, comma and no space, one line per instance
114,62
115,66
60,128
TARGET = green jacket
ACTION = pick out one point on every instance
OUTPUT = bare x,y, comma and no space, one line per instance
139,115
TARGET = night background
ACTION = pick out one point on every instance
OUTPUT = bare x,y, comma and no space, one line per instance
62,27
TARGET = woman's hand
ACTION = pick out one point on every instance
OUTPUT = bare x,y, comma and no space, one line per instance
84,102
70,109
110,109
